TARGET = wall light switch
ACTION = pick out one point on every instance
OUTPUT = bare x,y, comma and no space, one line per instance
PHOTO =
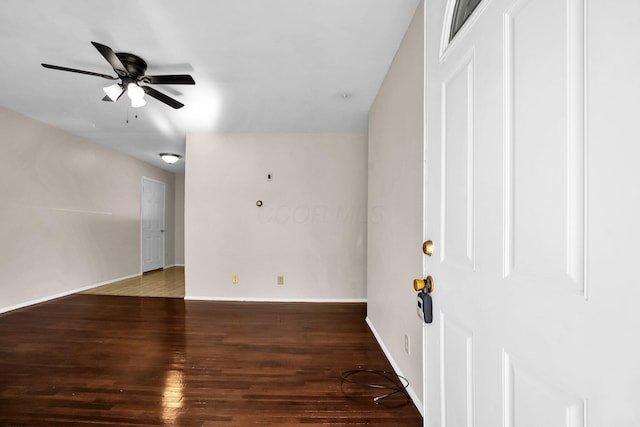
280,280
234,279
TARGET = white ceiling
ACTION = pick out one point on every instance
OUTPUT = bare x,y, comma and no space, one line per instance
259,65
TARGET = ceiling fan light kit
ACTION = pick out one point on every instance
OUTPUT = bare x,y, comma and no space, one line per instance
131,70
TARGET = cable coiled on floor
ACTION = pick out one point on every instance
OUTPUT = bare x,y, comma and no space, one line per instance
395,383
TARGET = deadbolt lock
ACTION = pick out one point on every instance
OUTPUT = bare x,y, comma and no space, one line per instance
427,247
426,284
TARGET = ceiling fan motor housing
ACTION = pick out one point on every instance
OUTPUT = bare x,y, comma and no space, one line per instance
136,66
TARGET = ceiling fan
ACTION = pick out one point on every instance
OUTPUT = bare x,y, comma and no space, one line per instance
131,70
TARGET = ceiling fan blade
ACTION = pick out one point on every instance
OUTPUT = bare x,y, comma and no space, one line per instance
162,97
173,79
73,70
112,58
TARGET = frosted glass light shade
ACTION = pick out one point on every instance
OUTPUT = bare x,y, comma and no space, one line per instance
170,158
134,91
114,91
138,102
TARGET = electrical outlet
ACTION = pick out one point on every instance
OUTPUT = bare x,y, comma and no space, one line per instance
407,344
234,279
280,280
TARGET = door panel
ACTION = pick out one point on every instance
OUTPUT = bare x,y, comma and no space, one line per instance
457,227
530,400
544,124
457,373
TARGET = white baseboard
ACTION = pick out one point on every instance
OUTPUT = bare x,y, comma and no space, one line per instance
395,366
173,265
62,294
252,299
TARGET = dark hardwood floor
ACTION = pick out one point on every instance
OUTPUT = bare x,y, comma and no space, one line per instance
91,360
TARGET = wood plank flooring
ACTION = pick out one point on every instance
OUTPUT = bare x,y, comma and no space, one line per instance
95,360
168,282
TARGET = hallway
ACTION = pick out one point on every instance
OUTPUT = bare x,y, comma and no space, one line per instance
167,283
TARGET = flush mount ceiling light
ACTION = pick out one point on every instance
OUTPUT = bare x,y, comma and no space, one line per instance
170,158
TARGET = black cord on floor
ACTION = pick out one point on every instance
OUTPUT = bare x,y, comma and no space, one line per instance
398,383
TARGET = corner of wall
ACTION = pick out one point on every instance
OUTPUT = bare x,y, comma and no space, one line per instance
395,204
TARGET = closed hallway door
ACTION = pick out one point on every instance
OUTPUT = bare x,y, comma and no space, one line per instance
152,224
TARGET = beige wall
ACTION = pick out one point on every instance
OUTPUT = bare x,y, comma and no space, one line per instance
395,180
69,212
179,220
311,228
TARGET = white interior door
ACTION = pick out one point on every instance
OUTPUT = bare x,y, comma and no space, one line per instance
531,201
152,224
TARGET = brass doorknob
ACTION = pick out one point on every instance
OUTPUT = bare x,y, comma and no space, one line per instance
427,247
420,284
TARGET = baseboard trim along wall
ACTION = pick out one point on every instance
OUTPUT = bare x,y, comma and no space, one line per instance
62,294
395,366
250,299
172,265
